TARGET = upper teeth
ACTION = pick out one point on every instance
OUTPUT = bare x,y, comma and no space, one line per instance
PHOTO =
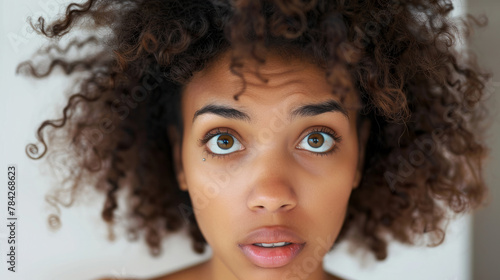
279,244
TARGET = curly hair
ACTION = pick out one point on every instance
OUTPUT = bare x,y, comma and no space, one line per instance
422,95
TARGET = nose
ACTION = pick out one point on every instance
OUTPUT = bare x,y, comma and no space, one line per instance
272,183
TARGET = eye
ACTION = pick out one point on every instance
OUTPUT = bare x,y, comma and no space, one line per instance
223,144
318,142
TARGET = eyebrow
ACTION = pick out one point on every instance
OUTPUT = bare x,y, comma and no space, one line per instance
307,110
223,111
310,110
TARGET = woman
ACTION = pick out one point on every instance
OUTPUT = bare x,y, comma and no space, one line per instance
273,129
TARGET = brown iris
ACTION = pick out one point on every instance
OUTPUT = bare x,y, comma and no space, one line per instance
315,140
225,142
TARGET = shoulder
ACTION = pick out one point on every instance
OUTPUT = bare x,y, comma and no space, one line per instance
333,277
193,272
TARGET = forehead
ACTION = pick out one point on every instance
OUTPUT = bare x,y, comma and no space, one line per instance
282,79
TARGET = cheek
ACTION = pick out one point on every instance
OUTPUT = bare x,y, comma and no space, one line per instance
207,187
214,205
326,210
329,189
329,202
204,186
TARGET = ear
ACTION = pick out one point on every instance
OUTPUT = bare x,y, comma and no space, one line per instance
364,134
175,140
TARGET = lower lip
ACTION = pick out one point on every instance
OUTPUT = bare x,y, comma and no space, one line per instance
271,257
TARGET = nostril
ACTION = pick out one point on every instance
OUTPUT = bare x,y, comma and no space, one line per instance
280,197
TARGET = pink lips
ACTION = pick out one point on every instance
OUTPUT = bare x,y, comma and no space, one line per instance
271,257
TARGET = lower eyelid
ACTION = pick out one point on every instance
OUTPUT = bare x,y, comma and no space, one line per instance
237,142
331,151
216,155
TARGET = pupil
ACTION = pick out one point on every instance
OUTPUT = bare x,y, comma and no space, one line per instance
225,141
315,140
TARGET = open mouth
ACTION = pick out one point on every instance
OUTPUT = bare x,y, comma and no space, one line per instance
272,245
272,255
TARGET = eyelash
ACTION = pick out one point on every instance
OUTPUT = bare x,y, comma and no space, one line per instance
216,132
330,132
212,133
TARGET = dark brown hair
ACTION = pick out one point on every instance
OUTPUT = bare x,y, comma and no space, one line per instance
423,97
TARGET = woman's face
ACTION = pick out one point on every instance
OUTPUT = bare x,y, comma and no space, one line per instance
278,165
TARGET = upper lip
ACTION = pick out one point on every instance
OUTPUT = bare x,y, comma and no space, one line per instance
272,234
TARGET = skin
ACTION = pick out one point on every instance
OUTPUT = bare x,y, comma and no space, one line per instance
272,179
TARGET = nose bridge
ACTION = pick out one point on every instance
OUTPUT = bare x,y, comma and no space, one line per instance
272,185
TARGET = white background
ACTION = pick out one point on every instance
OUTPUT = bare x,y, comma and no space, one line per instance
80,249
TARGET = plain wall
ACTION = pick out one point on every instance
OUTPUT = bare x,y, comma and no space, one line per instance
486,246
